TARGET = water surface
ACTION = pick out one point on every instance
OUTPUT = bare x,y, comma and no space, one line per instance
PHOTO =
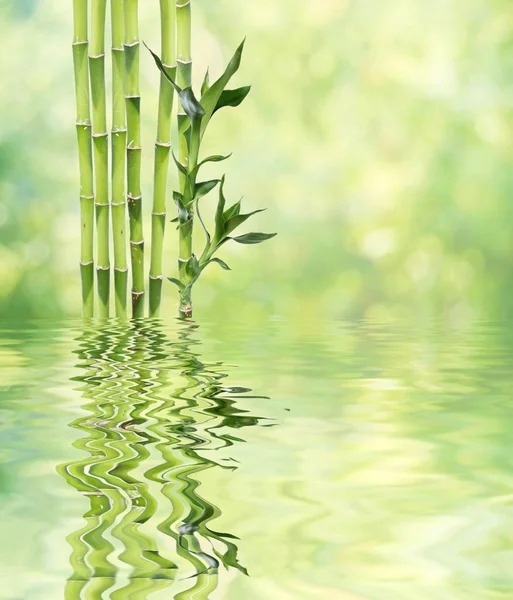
274,461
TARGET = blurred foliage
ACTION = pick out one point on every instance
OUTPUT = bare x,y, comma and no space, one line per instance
378,136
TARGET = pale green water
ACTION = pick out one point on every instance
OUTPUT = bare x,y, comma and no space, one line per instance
332,461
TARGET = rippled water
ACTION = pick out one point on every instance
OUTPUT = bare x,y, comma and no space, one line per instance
335,461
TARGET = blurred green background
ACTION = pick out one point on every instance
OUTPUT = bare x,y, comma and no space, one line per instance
377,134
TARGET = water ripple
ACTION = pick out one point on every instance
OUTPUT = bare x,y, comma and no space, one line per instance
153,412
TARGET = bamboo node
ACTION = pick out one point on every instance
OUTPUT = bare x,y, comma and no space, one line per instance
132,44
169,66
118,203
184,62
157,277
100,135
102,204
137,294
156,214
186,310
87,197
80,43
98,268
121,270
130,147
134,198
141,243
183,260
116,130
87,264
83,124
96,56
183,5
117,49
163,144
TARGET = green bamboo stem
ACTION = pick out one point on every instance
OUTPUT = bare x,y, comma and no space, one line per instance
184,71
162,149
134,194
101,149
85,157
119,135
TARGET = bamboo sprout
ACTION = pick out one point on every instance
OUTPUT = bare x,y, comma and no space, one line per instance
162,149
134,195
84,129
101,150
184,70
119,158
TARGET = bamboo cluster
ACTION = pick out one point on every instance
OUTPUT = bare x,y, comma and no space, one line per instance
111,203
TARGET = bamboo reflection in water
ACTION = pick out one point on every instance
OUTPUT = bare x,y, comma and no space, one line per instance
152,406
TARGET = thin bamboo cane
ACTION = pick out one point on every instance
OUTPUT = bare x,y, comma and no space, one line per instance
162,149
101,150
119,135
133,110
184,71
84,130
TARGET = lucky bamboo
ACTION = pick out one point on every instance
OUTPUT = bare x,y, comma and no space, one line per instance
134,195
101,150
184,71
119,158
162,149
194,120
84,129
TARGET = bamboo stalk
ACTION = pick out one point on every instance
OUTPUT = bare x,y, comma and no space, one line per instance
101,150
134,195
162,149
85,157
184,71
119,135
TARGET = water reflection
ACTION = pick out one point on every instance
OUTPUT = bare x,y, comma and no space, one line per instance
155,416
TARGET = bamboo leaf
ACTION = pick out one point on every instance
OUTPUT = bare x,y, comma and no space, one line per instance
176,282
234,222
204,187
184,127
192,268
163,70
232,97
253,238
206,83
203,225
190,104
211,97
220,262
232,211
213,158
219,231
183,213
179,165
